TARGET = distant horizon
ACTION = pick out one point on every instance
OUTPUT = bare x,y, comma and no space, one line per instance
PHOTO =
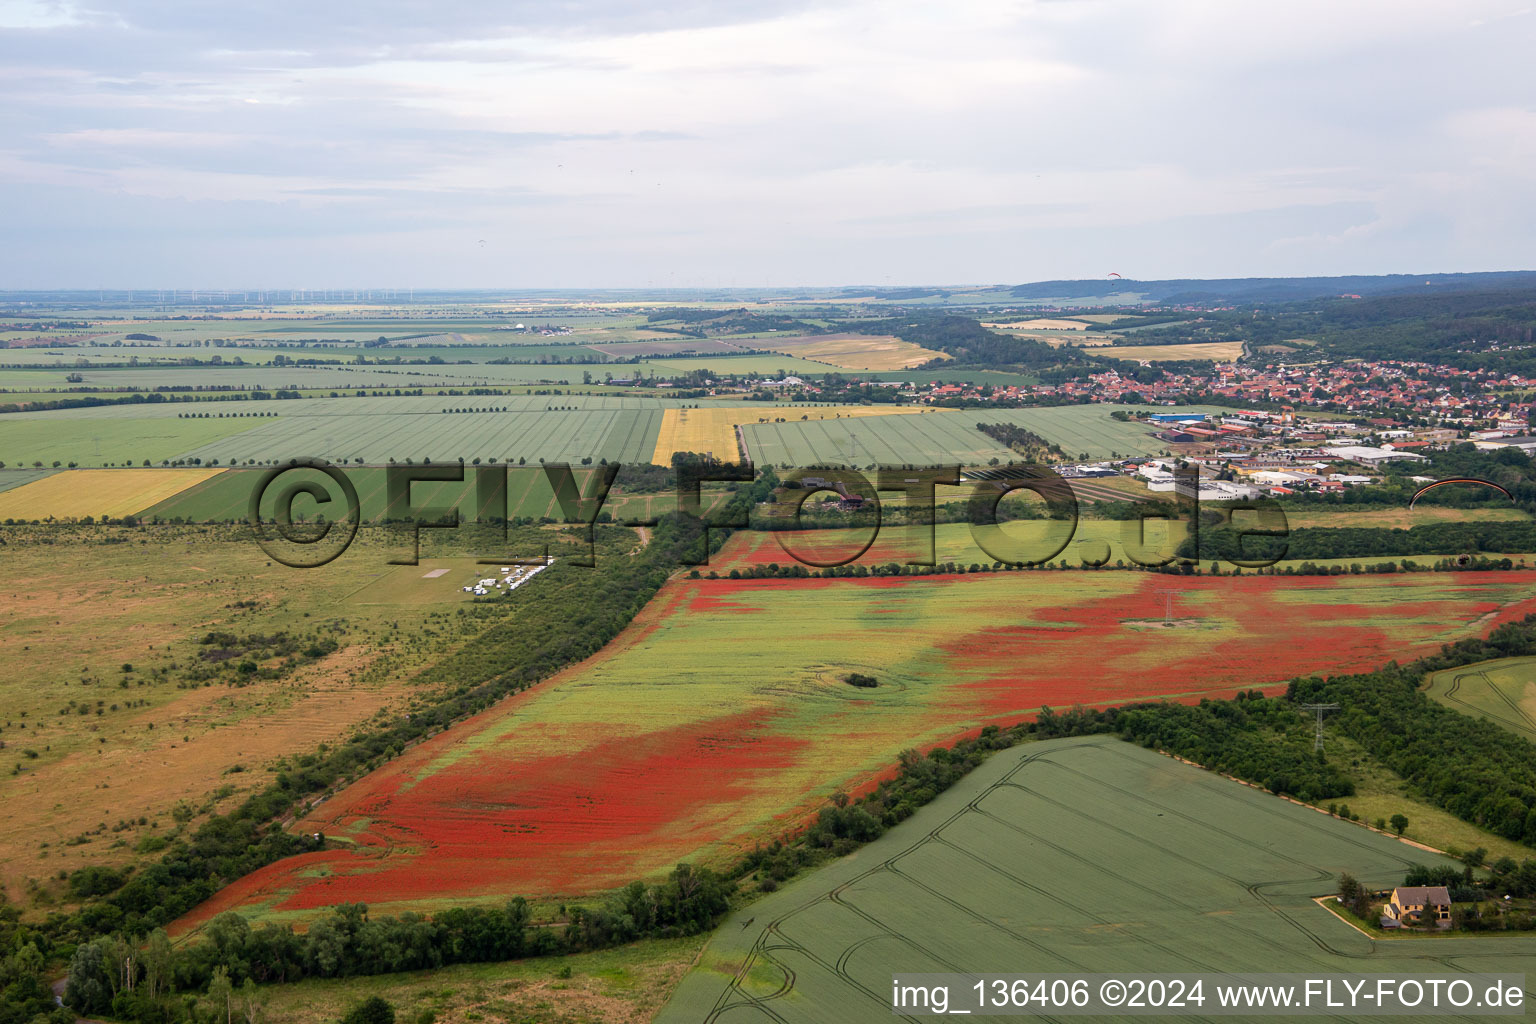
376,293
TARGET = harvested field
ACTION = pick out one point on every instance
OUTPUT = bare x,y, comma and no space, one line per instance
74,494
854,351
1040,324
1220,351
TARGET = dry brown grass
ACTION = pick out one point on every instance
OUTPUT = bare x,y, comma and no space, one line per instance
627,985
77,612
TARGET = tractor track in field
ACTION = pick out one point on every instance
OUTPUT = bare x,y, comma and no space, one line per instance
775,939
1522,722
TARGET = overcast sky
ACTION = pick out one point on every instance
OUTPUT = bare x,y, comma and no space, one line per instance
610,143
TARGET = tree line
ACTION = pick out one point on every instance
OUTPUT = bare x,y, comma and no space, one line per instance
1230,543
157,984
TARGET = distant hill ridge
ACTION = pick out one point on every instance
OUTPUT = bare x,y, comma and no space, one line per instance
1271,289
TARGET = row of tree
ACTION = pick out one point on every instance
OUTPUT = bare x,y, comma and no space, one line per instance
141,982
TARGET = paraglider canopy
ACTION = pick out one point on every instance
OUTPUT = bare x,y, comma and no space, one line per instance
1457,480
1113,274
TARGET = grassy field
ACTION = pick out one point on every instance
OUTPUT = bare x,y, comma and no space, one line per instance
1334,516
1502,691
1379,794
720,716
116,440
713,428
76,493
1086,429
1070,856
615,986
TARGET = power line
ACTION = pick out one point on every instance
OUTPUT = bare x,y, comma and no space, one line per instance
1320,709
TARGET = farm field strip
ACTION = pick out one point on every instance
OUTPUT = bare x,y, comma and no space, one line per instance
120,440
719,717
937,438
258,373
1042,324
1087,428
12,478
372,405
1073,856
1220,351
624,435
855,351
76,493
227,498
954,542
713,428
698,346
1502,691
1396,518
1092,490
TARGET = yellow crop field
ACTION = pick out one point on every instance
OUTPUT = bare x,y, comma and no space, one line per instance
858,351
1221,351
77,493
714,430
1042,324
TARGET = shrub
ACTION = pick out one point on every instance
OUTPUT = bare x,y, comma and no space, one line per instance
373,1010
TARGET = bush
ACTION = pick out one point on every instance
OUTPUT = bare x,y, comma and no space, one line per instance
373,1010
94,881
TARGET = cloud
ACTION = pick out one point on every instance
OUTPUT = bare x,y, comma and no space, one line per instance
785,143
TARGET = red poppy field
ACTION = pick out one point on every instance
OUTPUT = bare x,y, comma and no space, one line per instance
720,716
